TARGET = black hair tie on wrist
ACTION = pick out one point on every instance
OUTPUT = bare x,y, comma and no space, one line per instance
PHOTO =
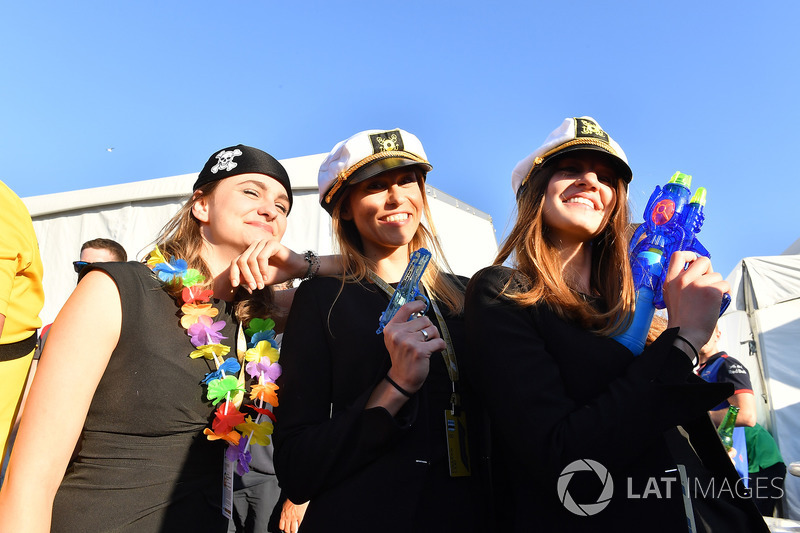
396,386
696,355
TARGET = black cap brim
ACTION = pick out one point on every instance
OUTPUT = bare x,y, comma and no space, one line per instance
370,171
384,165
621,166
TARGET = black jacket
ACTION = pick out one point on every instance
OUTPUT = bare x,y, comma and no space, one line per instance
363,470
557,393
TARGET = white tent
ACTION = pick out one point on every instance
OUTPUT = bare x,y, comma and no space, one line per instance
133,213
761,328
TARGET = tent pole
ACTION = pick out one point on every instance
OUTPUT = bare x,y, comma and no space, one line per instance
756,342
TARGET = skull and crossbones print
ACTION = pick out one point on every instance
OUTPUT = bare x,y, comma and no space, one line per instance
225,160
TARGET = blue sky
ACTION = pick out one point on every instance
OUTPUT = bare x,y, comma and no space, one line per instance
708,88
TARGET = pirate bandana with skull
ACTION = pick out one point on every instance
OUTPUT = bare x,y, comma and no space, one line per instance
242,159
225,160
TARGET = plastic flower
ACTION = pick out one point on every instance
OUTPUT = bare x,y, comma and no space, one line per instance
260,432
208,351
226,417
270,371
262,411
192,277
155,258
233,437
261,350
268,336
259,324
230,366
168,271
240,455
193,312
195,294
219,389
265,392
206,331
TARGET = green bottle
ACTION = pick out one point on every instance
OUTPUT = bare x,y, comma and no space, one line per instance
726,428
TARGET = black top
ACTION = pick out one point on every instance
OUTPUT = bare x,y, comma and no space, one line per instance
557,393
144,463
362,469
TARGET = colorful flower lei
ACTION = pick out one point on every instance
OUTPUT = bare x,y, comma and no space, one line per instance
223,385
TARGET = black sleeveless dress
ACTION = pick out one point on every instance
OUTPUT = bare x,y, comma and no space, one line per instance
144,463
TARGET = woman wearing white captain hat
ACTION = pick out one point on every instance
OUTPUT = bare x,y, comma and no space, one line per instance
582,429
362,430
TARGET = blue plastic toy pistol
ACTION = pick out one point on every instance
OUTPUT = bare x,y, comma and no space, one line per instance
408,288
671,222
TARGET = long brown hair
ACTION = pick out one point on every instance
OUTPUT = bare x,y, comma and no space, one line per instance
181,238
535,255
356,265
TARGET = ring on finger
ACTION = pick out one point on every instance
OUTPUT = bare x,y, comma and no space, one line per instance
425,335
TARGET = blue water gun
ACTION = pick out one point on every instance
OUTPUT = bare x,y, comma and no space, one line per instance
671,222
408,288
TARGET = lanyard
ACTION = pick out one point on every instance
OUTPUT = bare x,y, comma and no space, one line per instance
449,354
455,417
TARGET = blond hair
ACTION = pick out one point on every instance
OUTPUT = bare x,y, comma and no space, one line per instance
181,238
534,254
356,266
657,327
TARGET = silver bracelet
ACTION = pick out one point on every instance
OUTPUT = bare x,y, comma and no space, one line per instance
313,264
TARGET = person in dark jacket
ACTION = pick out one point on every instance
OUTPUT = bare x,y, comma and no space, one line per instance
363,417
584,433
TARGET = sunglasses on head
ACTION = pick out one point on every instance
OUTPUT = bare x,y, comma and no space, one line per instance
79,265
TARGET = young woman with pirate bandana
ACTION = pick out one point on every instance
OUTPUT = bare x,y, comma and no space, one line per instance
117,379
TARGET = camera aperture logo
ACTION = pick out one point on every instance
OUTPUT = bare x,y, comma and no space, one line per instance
585,509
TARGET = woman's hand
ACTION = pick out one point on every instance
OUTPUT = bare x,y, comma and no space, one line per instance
693,296
292,516
410,345
266,262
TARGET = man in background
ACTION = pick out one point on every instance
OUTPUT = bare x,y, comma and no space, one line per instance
100,251
21,300
717,367
767,469
93,251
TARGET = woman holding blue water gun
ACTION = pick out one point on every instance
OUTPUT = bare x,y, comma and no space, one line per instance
584,432
365,418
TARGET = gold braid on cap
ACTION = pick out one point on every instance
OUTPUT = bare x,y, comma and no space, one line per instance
342,177
539,160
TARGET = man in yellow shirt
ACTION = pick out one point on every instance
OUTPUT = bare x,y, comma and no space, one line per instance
21,299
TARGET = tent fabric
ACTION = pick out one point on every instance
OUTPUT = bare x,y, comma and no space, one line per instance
762,330
302,171
774,279
134,213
